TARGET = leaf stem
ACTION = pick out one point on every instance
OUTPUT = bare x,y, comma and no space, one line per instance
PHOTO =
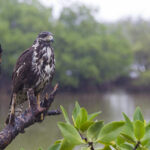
90,144
137,145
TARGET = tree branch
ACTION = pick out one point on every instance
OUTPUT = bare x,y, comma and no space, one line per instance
28,118
137,145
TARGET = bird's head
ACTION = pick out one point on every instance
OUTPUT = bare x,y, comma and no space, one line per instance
45,37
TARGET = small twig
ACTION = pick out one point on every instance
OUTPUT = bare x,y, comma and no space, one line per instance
91,145
53,112
137,145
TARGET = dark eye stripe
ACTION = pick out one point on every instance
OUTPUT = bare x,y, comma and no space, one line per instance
43,35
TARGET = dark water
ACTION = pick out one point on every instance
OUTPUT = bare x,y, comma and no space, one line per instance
111,103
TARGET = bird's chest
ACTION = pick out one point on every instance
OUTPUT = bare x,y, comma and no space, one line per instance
43,67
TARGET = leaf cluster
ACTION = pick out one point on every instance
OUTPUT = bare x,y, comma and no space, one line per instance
86,133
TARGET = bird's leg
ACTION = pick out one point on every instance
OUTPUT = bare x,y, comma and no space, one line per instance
38,106
38,101
12,111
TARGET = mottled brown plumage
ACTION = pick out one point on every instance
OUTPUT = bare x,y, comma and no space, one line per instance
34,69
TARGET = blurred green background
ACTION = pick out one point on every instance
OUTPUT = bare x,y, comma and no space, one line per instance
102,64
89,53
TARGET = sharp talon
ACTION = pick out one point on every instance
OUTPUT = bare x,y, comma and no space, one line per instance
42,117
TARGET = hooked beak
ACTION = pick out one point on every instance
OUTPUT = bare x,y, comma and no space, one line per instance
50,38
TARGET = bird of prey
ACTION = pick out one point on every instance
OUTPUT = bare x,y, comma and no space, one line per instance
34,69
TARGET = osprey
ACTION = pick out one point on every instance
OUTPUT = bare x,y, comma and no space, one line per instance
34,69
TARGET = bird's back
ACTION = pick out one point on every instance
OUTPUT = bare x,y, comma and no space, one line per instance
34,69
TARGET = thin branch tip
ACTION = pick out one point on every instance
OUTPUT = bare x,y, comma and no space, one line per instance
53,112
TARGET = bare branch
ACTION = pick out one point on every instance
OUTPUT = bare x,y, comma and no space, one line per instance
53,112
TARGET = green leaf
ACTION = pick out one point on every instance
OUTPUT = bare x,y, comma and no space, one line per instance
110,131
84,115
65,114
128,128
138,115
58,141
94,130
55,147
128,138
81,118
70,133
146,139
93,116
66,145
75,112
86,125
120,140
126,146
128,122
40,149
139,129
106,147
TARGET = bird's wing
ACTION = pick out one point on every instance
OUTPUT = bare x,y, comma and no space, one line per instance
21,70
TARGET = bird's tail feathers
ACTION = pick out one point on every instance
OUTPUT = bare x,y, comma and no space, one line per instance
8,116
17,110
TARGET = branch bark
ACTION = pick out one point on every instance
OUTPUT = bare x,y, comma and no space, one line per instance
28,118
